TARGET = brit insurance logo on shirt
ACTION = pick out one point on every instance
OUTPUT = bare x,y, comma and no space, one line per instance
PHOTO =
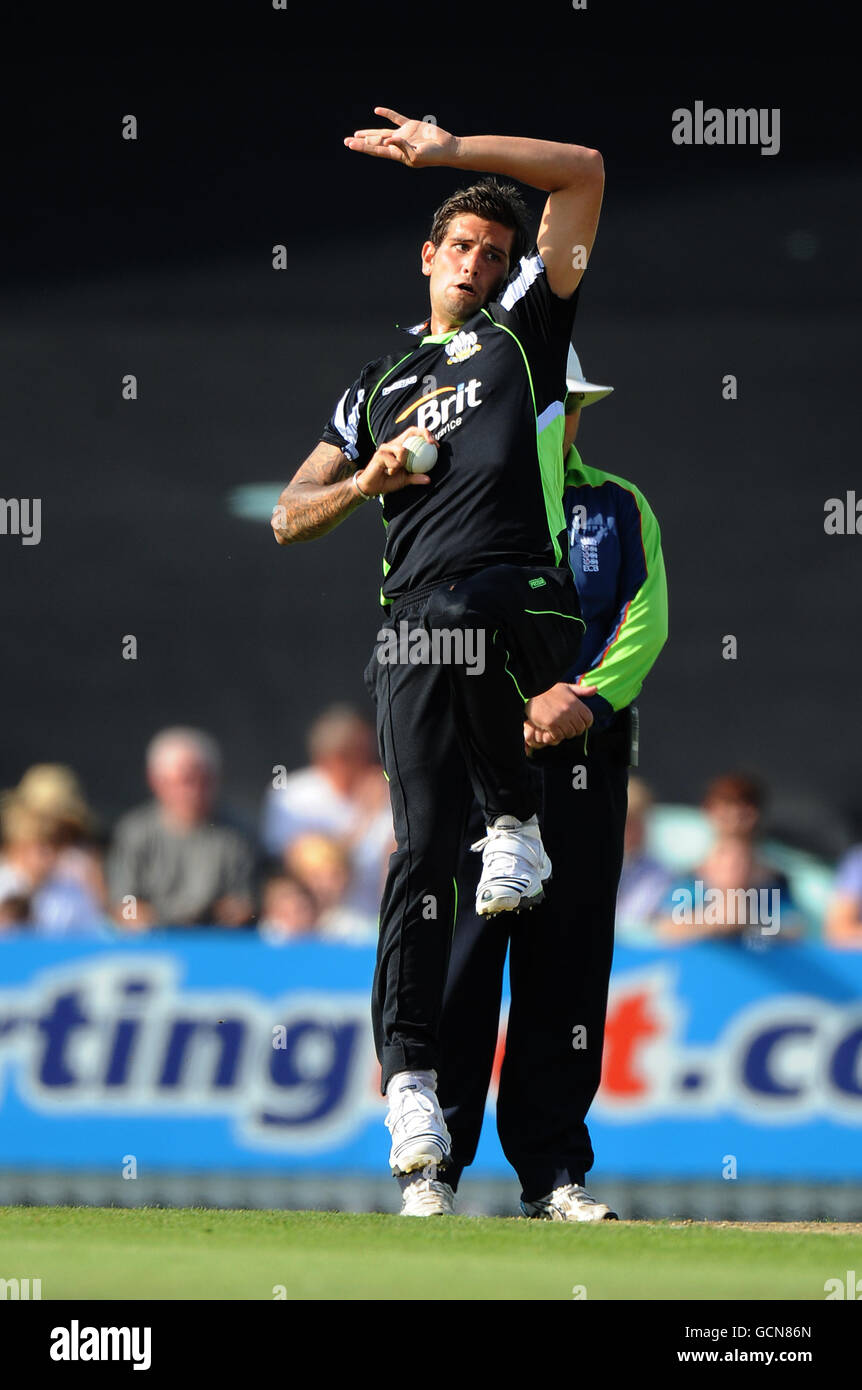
587,532
442,409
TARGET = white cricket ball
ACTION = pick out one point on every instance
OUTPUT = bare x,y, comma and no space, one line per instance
421,456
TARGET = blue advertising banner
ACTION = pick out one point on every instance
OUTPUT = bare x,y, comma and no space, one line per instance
195,1053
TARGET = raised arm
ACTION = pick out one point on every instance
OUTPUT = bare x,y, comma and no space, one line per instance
573,175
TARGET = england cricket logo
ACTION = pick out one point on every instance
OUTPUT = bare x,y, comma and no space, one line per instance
587,532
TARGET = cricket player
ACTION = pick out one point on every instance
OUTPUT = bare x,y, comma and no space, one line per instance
581,734
476,551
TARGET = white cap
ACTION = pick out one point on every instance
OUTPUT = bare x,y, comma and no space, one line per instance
588,391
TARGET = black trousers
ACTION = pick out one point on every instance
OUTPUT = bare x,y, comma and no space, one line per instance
560,956
450,730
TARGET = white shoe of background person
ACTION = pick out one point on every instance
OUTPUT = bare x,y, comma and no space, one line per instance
514,866
426,1195
569,1203
415,1122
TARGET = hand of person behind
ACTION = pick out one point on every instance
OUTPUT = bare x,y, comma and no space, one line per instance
557,714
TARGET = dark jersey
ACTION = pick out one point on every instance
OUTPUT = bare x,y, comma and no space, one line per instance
491,392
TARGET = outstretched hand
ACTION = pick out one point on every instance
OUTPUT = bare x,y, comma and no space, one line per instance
417,144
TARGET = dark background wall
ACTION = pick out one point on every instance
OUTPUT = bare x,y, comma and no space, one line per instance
154,257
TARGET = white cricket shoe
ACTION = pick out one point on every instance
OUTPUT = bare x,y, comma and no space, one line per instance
426,1195
514,866
415,1122
569,1203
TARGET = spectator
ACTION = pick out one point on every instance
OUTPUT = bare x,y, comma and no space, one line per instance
644,882
734,805
322,865
342,795
35,890
287,911
734,892
177,861
53,790
843,926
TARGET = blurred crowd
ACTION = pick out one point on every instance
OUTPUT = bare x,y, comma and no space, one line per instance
314,868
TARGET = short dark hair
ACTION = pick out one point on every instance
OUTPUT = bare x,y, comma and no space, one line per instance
496,202
737,787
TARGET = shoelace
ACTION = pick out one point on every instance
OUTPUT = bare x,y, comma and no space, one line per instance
428,1186
572,1196
416,1106
513,853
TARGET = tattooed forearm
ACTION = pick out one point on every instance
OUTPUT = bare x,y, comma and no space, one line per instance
303,513
317,498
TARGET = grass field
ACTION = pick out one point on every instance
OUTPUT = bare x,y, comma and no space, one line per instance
152,1253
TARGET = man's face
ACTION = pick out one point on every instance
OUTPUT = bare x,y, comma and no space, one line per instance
468,267
730,817
570,434
184,785
730,864
349,761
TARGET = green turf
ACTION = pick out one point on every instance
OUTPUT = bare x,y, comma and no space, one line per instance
95,1252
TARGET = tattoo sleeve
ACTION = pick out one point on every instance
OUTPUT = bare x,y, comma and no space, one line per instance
318,497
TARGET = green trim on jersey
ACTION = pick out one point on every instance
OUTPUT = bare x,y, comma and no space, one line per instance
377,388
643,632
552,613
549,449
384,602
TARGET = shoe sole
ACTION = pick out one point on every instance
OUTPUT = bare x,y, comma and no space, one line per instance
399,1165
589,1221
524,905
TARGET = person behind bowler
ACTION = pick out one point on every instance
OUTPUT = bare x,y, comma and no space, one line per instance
581,733
477,548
